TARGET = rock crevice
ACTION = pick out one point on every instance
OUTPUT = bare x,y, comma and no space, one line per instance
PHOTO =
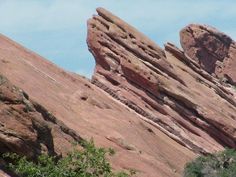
27,128
169,87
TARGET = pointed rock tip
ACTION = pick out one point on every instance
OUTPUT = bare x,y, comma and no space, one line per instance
101,9
103,12
195,27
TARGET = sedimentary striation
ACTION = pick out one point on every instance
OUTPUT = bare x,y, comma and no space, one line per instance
213,50
91,113
27,128
171,90
158,108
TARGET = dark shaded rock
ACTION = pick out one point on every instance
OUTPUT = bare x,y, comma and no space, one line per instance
213,50
27,128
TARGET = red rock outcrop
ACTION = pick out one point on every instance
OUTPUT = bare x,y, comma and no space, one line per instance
155,106
213,50
167,87
27,128
92,113
3,174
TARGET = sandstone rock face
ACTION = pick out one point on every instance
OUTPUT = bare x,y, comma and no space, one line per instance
92,113
3,174
158,108
27,128
166,87
213,50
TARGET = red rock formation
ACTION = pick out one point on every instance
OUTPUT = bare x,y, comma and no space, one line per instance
165,86
93,113
155,107
27,128
3,174
213,50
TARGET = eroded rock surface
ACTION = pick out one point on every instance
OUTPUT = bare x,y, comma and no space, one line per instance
213,50
27,128
155,106
167,87
3,174
92,113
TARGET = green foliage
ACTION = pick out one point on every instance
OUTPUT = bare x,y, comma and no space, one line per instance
234,87
221,164
90,162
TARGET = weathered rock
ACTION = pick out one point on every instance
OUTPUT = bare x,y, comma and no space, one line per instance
213,50
165,86
27,128
3,174
155,107
93,113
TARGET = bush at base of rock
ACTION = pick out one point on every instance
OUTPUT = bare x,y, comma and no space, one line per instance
90,162
221,164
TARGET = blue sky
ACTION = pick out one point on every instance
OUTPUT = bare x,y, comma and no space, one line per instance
56,29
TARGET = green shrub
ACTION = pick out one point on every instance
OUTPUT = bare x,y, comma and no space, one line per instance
90,162
221,164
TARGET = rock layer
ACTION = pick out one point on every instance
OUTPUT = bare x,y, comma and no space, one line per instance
27,128
167,87
92,113
213,50
155,106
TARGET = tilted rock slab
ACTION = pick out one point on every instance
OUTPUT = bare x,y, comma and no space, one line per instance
87,110
213,50
167,87
27,128
169,99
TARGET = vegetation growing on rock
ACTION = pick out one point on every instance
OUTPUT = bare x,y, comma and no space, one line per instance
90,162
221,164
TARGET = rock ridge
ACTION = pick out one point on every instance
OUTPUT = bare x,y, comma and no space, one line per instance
27,128
166,86
154,106
213,50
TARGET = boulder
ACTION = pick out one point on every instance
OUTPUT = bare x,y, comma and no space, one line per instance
213,50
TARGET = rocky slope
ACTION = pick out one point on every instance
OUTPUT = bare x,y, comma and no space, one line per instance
158,108
92,113
167,87
27,128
